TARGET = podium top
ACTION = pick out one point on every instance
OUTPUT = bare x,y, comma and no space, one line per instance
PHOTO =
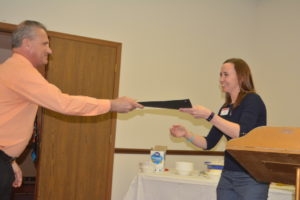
269,139
269,154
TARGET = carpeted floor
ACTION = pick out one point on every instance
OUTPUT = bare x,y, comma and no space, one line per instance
26,191
23,197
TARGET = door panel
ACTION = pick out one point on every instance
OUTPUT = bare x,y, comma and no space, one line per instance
77,152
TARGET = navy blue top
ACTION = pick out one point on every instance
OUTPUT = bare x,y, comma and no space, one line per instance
251,113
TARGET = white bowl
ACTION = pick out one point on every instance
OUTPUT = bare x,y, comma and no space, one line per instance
187,166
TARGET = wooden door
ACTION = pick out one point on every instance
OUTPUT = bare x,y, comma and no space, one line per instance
77,152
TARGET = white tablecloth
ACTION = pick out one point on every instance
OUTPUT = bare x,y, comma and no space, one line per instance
169,186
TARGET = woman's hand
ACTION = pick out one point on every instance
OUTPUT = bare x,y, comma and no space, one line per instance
178,131
229,128
197,112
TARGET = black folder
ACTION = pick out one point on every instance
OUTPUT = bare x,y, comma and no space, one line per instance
172,104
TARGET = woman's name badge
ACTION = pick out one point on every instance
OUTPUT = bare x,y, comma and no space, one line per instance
224,111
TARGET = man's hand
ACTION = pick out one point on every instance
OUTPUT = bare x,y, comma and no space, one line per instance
124,105
18,174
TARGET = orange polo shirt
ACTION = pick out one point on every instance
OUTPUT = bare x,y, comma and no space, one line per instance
22,90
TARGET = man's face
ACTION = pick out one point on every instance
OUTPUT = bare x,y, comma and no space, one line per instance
39,48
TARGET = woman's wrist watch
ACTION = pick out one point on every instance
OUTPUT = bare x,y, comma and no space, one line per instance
211,116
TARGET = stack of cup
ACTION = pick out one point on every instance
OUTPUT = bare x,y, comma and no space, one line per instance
184,168
147,167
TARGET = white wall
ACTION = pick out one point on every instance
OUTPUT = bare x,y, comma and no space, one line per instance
173,49
277,60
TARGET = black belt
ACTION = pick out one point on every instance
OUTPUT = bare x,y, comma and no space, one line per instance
5,157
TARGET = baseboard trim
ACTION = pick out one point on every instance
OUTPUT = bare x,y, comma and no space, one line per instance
169,152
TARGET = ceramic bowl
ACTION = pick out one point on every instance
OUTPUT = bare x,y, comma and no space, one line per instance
184,165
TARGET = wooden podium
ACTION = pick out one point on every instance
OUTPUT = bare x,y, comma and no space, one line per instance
270,154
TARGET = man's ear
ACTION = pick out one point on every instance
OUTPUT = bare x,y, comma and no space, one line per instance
26,43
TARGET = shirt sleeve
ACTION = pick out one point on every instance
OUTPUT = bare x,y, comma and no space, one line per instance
30,84
213,137
253,114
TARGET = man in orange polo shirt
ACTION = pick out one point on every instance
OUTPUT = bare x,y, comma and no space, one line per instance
23,89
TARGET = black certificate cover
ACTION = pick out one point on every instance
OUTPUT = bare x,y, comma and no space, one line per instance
173,104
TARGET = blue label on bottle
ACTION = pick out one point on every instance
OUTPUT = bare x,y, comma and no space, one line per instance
156,158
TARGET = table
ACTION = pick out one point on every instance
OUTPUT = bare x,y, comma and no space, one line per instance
170,186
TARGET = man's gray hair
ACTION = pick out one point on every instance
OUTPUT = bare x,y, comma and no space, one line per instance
26,29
